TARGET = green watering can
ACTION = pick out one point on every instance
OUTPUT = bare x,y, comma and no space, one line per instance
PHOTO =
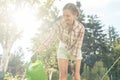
36,71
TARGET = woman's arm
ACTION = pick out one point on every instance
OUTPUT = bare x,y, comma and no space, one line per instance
78,45
48,40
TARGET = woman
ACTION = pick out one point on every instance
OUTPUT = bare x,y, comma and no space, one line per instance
70,33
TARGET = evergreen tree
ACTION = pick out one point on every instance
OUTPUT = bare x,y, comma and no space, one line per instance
94,40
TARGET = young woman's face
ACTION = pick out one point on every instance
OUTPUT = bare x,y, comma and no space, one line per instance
68,16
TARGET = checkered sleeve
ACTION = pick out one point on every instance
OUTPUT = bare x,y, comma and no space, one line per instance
50,36
78,45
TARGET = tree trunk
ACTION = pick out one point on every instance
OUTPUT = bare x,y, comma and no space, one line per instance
50,75
5,59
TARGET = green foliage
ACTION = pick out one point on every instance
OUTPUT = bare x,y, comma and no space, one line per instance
98,70
116,69
7,76
69,77
112,55
94,41
95,73
94,34
15,65
55,75
113,35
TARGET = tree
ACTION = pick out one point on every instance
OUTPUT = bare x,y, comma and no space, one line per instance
94,40
112,46
116,68
113,35
8,33
16,64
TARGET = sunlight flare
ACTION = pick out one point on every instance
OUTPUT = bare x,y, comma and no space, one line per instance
26,20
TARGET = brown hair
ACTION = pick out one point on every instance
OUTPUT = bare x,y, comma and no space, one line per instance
73,8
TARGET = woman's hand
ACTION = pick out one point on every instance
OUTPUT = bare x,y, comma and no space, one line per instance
72,52
75,55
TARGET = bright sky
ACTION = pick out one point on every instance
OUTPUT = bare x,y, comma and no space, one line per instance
107,10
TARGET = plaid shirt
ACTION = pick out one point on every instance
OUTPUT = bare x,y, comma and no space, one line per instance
71,38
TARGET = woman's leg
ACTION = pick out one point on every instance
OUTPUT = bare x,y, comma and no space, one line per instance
77,69
63,69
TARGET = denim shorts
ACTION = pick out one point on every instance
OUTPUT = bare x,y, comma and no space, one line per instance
63,53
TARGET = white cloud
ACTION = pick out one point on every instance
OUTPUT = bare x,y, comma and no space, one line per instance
117,13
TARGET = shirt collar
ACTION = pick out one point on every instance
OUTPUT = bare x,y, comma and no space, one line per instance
75,25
